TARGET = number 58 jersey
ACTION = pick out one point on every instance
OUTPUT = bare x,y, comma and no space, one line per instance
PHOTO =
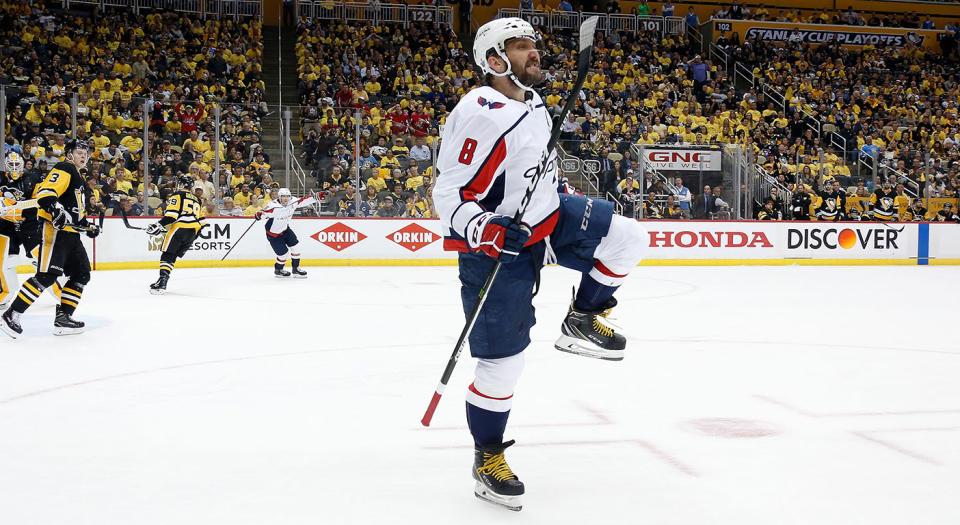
491,146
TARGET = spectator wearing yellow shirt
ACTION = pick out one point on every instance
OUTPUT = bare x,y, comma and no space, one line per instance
243,196
254,206
414,179
132,143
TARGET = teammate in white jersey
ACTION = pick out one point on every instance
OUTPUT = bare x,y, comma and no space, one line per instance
492,143
282,239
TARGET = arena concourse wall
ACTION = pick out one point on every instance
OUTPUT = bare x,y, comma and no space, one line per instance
404,242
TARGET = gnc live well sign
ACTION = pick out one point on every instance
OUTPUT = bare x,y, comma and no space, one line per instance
682,160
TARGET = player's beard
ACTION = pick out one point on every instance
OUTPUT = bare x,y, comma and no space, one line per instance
528,78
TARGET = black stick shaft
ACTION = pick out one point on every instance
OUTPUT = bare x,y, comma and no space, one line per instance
240,239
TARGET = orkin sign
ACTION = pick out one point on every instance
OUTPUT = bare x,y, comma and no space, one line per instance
413,237
682,160
338,236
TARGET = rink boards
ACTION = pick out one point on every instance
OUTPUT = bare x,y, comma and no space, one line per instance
342,241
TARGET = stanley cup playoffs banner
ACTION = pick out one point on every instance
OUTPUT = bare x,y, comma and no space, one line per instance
824,34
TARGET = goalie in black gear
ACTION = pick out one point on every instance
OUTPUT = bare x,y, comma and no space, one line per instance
180,225
61,200
19,225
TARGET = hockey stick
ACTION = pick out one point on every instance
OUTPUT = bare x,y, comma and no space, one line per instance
240,239
587,30
18,206
126,222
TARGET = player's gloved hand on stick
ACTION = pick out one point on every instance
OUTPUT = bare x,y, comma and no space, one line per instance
498,236
59,218
155,229
93,231
258,215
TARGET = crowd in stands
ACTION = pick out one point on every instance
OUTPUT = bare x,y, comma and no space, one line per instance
402,82
898,105
644,88
112,62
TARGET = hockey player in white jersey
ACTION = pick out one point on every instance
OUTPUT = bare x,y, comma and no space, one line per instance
282,239
492,143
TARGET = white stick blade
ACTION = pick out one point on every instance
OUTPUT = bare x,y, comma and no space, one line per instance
587,29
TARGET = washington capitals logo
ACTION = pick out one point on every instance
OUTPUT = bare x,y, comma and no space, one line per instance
493,105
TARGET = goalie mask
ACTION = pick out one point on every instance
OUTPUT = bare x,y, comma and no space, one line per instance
492,39
13,164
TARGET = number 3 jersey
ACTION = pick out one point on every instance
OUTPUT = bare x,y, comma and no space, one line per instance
491,146
66,186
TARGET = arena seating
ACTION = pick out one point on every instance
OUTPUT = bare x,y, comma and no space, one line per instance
108,64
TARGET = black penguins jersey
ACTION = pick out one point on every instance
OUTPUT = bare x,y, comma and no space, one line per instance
915,214
829,209
65,186
883,205
183,210
21,190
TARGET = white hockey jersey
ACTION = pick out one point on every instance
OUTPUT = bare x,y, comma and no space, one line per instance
278,215
490,149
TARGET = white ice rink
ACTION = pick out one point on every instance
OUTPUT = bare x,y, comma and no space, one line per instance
749,396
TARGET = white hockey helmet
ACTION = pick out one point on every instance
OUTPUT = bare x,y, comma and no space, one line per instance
13,164
493,36
284,192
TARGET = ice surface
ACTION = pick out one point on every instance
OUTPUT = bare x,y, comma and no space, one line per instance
749,395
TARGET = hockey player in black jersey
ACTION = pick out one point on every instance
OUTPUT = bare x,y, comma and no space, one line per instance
181,224
61,203
916,212
883,202
947,214
19,225
829,209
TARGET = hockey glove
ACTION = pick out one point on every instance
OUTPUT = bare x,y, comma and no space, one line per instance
93,231
59,217
258,215
155,229
498,236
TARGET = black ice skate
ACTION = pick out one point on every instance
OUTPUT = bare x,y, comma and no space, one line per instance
279,272
496,483
298,273
159,287
10,324
66,325
587,334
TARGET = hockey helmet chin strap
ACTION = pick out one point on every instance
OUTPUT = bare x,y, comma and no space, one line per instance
509,74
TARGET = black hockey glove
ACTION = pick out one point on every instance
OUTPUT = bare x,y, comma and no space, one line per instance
59,217
155,229
93,231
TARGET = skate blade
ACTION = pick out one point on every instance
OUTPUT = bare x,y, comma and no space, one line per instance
295,276
157,292
513,503
573,345
62,330
281,276
9,331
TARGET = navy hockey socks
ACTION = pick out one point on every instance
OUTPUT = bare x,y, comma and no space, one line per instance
486,426
592,296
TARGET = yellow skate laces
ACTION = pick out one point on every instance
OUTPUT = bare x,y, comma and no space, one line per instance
496,466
